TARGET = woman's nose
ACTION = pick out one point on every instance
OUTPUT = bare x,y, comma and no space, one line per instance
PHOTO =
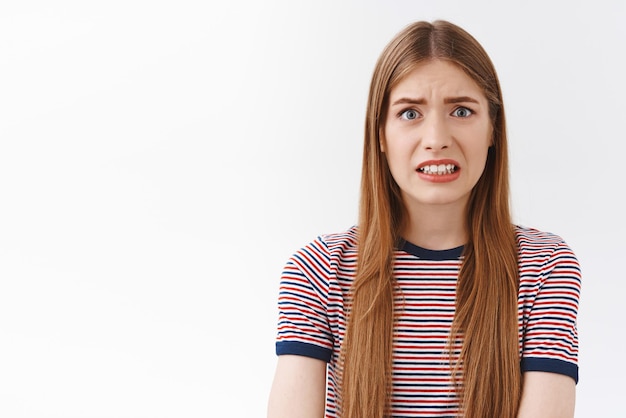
436,133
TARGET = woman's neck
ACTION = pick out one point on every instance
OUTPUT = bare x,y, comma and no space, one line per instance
436,227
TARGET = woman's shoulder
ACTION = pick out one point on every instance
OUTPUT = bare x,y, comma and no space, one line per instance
342,239
336,244
529,236
537,244
327,250
333,243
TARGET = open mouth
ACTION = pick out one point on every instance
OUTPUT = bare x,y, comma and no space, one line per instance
438,170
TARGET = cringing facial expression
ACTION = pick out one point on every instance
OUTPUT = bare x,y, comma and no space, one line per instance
436,135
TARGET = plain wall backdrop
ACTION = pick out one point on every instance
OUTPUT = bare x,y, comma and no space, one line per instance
161,160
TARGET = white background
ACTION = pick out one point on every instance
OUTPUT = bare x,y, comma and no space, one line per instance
160,161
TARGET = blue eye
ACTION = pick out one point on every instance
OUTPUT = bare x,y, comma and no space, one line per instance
409,114
462,112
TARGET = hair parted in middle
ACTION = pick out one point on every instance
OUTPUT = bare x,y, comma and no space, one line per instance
486,316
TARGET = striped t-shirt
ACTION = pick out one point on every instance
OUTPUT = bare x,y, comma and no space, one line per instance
317,278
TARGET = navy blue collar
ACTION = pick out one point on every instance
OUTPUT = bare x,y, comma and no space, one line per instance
433,255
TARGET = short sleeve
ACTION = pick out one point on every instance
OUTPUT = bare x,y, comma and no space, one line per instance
550,293
303,327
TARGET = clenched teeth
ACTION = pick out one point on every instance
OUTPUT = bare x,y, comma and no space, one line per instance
438,169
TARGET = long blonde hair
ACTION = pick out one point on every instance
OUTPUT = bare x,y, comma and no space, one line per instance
486,301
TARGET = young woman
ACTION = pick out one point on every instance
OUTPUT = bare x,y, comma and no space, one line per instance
435,304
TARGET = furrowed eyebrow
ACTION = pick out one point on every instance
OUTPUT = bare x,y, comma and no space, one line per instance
447,100
461,99
407,100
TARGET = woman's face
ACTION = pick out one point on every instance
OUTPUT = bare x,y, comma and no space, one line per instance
437,135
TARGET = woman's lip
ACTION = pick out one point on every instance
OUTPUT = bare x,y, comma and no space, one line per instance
437,162
439,178
439,171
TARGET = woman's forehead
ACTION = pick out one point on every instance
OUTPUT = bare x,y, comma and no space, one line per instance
436,78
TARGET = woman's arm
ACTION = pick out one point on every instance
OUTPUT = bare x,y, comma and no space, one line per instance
299,388
547,395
